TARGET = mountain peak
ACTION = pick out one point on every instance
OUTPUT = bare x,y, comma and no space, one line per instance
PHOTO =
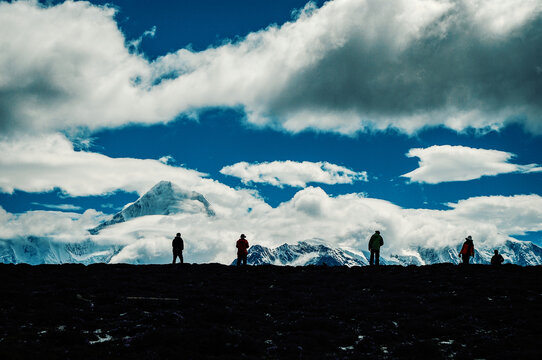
164,198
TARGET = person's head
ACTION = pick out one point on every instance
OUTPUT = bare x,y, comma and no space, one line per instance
178,234
243,236
468,238
377,232
496,252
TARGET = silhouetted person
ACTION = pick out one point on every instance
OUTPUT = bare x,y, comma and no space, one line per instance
497,259
375,243
242,250
467,251
178,247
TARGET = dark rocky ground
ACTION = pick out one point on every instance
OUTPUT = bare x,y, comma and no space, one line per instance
215,311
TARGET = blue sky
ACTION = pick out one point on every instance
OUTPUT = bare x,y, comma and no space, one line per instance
241,92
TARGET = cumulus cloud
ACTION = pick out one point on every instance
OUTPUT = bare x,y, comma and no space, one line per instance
39,164
510,214
347,66
292,173
460,163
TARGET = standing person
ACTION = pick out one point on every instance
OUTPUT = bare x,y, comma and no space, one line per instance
178,247
497,259
242,250
375,243
467,250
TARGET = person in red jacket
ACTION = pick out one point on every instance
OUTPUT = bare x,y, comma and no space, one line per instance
242,250
467,250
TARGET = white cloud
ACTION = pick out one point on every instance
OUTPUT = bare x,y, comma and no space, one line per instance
501,17
348,66
510,214
460,163
39,164
292,173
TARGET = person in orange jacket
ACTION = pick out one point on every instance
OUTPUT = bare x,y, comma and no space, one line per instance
242,250
467,250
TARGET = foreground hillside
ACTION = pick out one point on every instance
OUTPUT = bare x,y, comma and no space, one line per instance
216,311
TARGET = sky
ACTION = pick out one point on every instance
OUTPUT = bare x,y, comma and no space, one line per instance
295,119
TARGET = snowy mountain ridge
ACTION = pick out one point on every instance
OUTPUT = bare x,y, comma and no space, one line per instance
309,253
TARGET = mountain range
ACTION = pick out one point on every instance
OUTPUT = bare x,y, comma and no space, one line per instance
166,198
316,252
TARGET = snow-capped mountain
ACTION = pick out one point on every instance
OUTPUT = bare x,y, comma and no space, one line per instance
317,253
303,253
513,251
311,252
35,250
165,198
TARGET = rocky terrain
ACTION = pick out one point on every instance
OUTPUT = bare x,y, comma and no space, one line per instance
215,311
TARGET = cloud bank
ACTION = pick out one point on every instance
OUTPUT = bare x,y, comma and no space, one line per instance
292,173
460,163
350,65
345,221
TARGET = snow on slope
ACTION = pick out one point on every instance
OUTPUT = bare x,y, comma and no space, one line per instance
35,250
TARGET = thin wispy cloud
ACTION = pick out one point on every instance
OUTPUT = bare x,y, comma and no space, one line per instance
292,173
447,163
64,207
